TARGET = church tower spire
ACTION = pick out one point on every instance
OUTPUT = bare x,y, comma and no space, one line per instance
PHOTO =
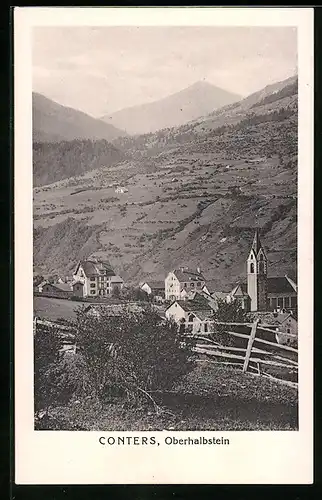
257,275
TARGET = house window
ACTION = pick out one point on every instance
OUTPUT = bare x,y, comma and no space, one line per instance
252,267
93,285
280,302
92,292
288,330
185,285
192,285
206,327
92,279
198,284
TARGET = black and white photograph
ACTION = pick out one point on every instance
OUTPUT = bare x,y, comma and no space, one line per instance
165,231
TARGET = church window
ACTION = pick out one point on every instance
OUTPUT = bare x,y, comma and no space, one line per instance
252,267
261,267
293,301
261,257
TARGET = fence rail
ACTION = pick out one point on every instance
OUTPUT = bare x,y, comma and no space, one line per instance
281,359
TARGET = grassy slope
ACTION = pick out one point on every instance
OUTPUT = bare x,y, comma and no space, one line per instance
213,397
180,208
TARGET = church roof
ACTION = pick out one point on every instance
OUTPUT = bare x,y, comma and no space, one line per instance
279,284
275,284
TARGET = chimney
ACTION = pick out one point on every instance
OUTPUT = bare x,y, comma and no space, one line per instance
198,270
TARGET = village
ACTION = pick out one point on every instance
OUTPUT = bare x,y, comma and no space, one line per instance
185,296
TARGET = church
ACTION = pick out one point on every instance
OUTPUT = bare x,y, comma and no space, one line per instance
260,292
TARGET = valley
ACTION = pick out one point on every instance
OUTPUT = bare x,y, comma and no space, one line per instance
192,196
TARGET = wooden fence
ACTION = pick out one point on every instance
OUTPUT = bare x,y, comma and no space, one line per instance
252,352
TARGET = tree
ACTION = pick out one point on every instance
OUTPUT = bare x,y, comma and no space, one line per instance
132,355
227,313
132,293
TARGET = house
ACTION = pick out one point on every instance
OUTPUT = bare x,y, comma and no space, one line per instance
194,316
39,288
94,278
284,323
261,292
59,290
155,288
182,279
121,190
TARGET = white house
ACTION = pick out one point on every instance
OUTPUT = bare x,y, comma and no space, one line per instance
182,279
155,288
193,316
97,279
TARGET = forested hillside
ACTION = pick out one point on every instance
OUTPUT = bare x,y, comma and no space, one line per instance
55,161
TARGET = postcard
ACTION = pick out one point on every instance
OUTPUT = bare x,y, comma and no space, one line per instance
163,195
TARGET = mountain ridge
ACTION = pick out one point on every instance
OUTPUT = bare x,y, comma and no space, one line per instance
194,195
53,122
173,110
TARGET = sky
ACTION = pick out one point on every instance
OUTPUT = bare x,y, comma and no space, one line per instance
101,70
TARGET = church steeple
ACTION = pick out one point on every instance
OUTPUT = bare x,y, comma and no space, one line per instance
257,245
257,275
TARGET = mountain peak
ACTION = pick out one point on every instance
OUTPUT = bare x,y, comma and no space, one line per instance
195,101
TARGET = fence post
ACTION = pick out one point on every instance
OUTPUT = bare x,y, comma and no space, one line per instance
35,325
250,344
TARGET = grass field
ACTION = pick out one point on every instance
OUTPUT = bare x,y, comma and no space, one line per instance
52,309
212,397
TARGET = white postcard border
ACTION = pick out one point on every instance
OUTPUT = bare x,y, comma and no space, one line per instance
51,457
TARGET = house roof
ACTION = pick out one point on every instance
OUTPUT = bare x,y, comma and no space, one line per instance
185,274
271,318
96,268
116,279
240,290
156,285
115,309
197,304
220,295
64,287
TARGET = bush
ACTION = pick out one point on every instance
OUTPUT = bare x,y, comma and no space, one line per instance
133,354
